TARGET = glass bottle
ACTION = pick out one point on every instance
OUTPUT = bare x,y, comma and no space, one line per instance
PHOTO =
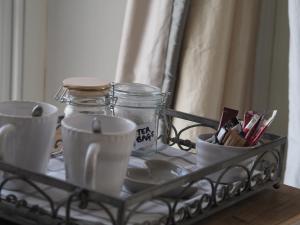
87,95
140,103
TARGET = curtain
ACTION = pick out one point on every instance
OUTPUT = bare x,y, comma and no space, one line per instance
209,64
177,27
218,58
144,41
151,40
292,176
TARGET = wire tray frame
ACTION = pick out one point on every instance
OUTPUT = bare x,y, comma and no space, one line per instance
265,171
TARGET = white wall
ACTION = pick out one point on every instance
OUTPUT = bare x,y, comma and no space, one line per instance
34,55
22,44
83,40
5,48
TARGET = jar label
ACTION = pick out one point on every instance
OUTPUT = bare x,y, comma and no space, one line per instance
145,135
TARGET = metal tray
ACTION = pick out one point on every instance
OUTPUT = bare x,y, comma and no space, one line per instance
54,201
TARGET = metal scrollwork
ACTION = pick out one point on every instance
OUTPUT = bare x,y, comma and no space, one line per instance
226,191
13,199
164,220
81,197
265,170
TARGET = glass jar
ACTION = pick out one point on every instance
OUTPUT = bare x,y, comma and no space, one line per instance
140,103
87,95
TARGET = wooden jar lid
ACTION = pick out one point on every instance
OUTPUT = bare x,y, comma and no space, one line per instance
86,86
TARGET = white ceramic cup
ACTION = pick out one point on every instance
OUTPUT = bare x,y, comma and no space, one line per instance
209,154
97,160
26,135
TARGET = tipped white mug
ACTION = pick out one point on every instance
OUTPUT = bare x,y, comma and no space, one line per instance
97,150
27,133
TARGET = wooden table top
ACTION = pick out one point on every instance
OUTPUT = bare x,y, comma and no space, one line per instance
269,207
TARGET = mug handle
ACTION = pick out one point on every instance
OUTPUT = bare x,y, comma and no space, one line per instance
90,164
4,131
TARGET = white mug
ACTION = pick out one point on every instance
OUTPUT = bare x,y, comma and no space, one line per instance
97,150
209,154
27,133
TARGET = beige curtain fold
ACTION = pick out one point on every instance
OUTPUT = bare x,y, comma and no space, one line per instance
144,41
218,58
